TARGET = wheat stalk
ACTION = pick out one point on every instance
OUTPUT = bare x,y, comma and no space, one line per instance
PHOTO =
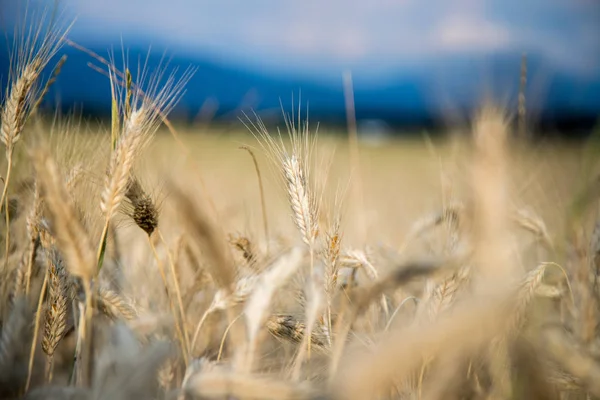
315,292
33,221
143,113
32,54
262,194
333,238
258,303
225,299
295,172
71,239
36,326
55,321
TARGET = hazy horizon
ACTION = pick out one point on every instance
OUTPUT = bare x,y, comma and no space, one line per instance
405,56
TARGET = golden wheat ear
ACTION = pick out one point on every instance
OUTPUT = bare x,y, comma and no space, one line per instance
55,319
34,47
142,114
293,166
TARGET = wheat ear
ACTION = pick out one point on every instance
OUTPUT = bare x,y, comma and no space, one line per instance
145,214
72,240
260,299
115,305
32,55
55,321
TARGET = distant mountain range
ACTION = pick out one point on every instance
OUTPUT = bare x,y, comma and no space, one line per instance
418,96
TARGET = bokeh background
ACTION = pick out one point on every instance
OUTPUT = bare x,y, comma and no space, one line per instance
414,63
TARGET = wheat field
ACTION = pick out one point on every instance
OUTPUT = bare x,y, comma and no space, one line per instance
142,260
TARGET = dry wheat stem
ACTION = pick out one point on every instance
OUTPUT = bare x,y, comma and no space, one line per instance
79,318
225,299
360,299
295,172
162,113
73,242
36,328
260,299
355,167
316,299
7,235
32,225
490,191
222,344
399,353
49,83
177,292
70,235
85,361
391,319
179,323
29,62
209,311
140,124
333,240
262,194
207,234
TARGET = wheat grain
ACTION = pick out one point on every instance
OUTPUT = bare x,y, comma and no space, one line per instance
302,203
143,211
56,307
55,319
115,305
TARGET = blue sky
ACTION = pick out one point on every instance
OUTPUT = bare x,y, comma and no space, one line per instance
375,37
408,53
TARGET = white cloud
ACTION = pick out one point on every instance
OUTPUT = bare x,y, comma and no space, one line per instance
294,34
472,33
306,38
